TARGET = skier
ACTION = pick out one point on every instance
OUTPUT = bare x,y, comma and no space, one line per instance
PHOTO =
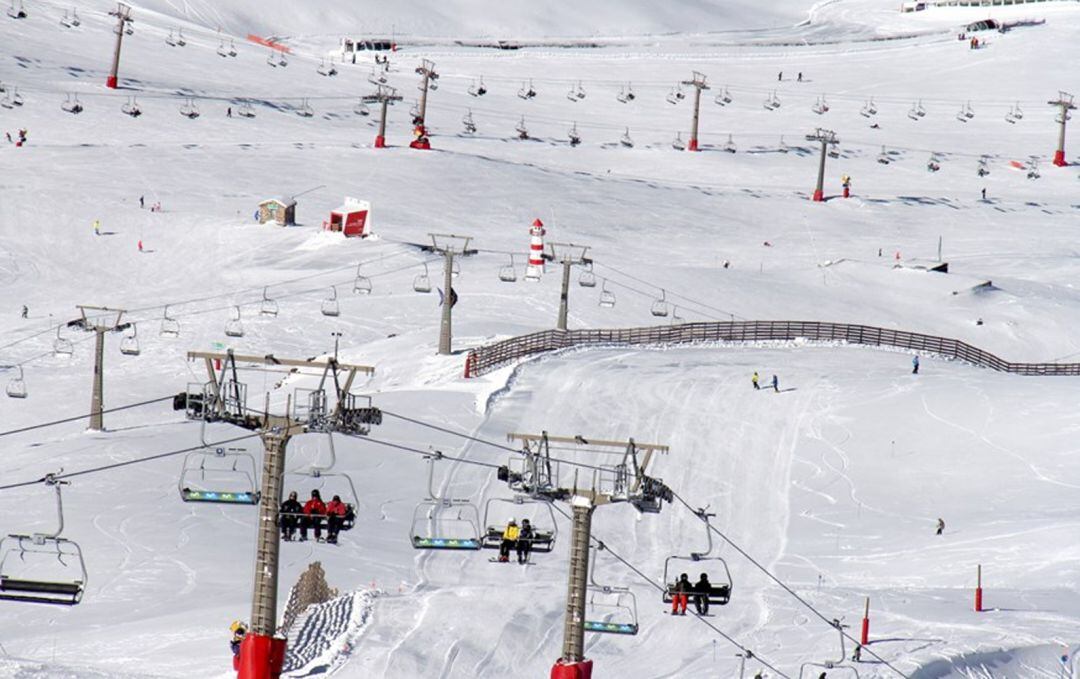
776,384
228,112
940,526
857,653
140,245
509,540
97,227
314,510
915,365
701,594
524,541
142,202
680,594
754,381
290,513
845,181
25,311
800,76
780,76
238,630
335,516
984,193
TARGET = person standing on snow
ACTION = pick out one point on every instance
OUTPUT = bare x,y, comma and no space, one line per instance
915,365
25,311
97,227
940,526
509,540
680,594
776,384
754,381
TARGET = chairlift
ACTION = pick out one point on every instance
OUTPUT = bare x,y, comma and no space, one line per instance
234,328
607,297
883,157
377,76
232,47
282,61
1018,112
729,145
222,51
455,268
16,387
969,112
361,109
868,110
625,140
12,99
481,90
913,112
934,164
609,609
660,306
245,110
834,151
361,284
572,133
587,279
170,327
833,668
677,143
305,110
422,281
131,107
508,272
61,345
448,523
580,90
545,529
621,96
1033,169
128,28
190,109
468,122
170,40
72,104
129,344
720,591
672,98
69,22
219,476
961,115
772,102
327,483
783,148
474,91
723,97
984,166
571,94
414,112
326,70
271,59
820,106
17,12
268,307
920,110
43,568
522,131
330,304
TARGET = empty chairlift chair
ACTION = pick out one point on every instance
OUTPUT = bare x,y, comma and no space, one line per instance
609,609
268,307
508,272
660,306
326,70
304,110
869,109
522,131
170,327
545,530
607,297
131,107
16,387
677,143
422,281
820,107
43,567
129,343
219,475
442,522
222,50
361,284
729,145
61,345
330,305
468,122
234,327
245,110
361,109
831,668
883,157
625,139
587,279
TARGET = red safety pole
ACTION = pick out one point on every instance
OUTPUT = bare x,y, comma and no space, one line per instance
978,589
864,638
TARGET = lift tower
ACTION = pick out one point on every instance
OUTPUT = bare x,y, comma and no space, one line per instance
569,255
223,398
698,83
426,69
384,96
1065,103
449,246
826,138
123,19
99,321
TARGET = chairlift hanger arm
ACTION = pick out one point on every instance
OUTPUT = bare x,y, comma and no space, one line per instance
270,359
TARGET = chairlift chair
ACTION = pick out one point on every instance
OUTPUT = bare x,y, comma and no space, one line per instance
305,110
630,92
468,122
587,279
61,345
508,272
473,90
720,592
72,104
834,151
65,21
451,523
170,40
16,387
271,59
868,110
234,328
180,42
621,96
190,109
961,115
820,106
677,143
325,69
544,533
282,61
219,476
222,51
607,297
522,131
625,140
268,307
361,109
361,284
377,77
18,12
1033,169
913,113
245,110
934,164
329,483
984,167
422,281
920,110
1018,112
128,28
330,305
783,148
43,568
572,133
75,20
883,157
13,98
833,668
571,94
580,91
660,306
131,107
772,102
609,609
671,97
729,145
170,327
481,90
129,344
969,112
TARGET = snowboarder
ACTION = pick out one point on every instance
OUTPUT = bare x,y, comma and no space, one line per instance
25,311
97,227
524,541
940,526
776,384
754,381
680,594
915,365
701,594
290,513
142,202
984,193
335,516
509,540
314,511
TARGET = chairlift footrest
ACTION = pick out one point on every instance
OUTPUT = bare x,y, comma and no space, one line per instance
445,543
221,497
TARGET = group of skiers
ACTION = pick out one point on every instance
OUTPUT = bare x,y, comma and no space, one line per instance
22,136
684,589
756,381
517,539
311,515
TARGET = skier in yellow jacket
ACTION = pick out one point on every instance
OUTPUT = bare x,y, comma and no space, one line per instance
509,540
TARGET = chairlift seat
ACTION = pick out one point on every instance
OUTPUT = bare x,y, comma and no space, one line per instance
16,389
718,594
40,591
507,274
542,541
234,329
611,627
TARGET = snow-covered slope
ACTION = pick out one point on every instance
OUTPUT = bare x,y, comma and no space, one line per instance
834,486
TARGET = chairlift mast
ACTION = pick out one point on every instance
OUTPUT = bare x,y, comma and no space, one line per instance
261,652
105,320
628,483
827,138
568,254
698,83
123,17
1065,103
426,69
384,96
449,246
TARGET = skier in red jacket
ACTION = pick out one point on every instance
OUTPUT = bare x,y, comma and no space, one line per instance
335,516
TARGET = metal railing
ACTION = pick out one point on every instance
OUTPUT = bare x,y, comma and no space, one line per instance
487,358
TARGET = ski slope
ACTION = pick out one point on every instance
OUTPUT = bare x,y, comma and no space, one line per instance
833,485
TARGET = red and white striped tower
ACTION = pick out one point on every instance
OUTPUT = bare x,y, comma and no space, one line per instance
536,251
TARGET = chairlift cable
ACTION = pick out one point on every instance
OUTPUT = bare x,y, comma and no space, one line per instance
75,418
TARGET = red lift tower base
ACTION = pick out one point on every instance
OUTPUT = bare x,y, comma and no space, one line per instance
819,197
422,144
110,82
380,141
576,670
1059,158
261,657
692,146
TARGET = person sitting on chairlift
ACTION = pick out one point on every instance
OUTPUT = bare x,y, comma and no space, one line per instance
290,512
335,516
509,540
524,541
701,594
681,594
314,511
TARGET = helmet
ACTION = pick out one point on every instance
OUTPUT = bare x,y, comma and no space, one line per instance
704,576
292,495
525,522
315,493
512,522
237,626
337,498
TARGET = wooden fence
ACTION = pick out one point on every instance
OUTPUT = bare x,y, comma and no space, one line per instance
487,358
